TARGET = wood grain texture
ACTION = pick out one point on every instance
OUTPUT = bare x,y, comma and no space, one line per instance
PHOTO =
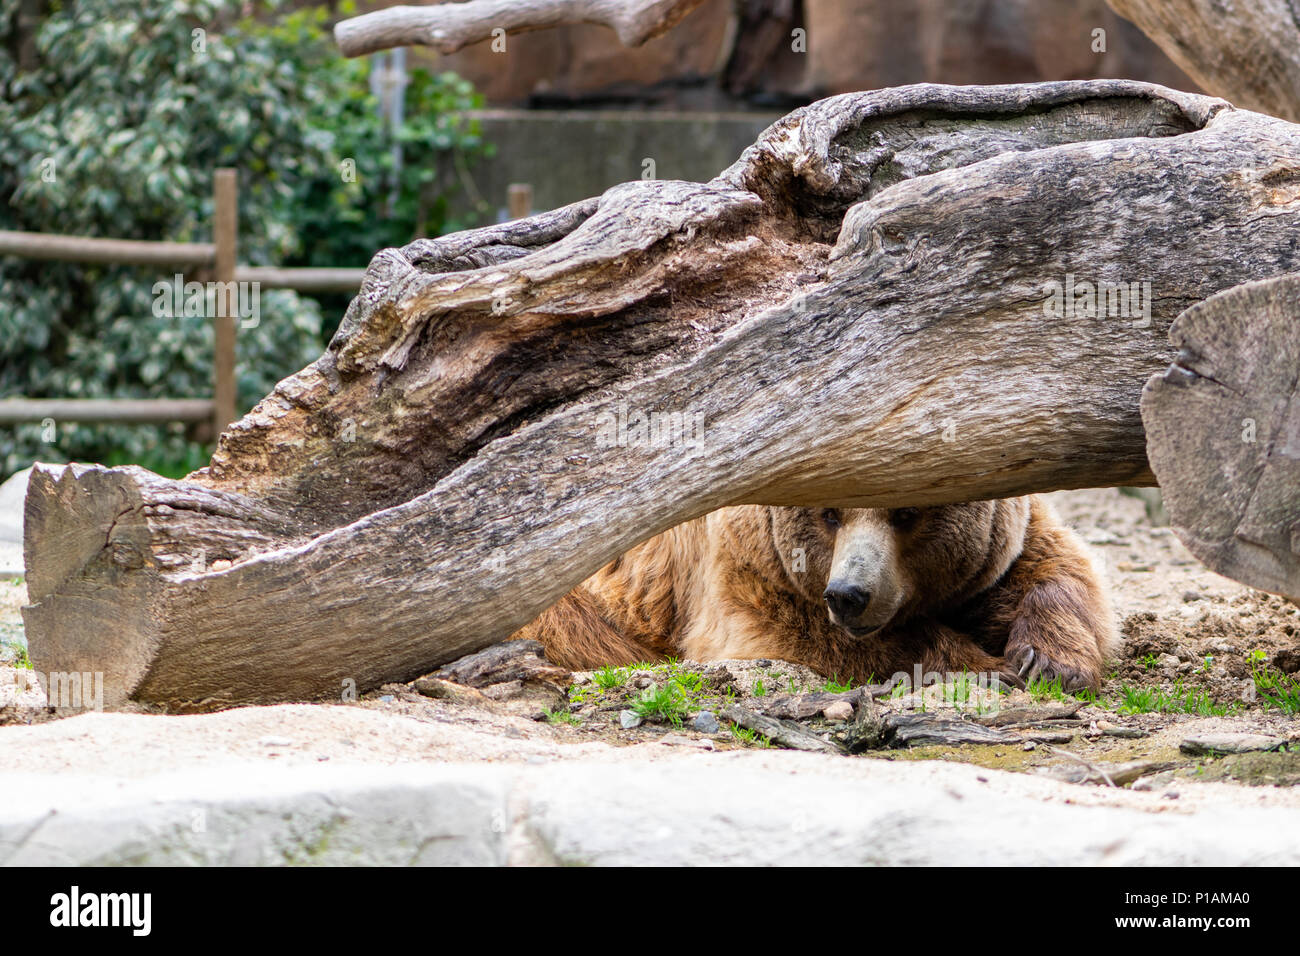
449,26
1223,433
853,313
1246,52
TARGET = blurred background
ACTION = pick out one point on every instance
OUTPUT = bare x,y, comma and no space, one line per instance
116,114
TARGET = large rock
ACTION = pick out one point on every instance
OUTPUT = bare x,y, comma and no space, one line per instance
348,785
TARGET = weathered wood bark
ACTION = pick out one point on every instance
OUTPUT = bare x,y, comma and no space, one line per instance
854,312
1246,52
1223,432
449,26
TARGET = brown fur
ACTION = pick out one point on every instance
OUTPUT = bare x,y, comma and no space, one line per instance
994,586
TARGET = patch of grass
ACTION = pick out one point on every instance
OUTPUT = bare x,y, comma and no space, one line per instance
666,701
1041,690
1149,661
836,686
747,736
759,689
15,581
1139,700
1088,696
560,716
607,678
1276,690
691,682
21,659
1155,700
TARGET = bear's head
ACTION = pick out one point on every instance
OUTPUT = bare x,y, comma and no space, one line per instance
874,567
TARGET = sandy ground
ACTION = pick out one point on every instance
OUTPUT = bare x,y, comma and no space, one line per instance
1186,630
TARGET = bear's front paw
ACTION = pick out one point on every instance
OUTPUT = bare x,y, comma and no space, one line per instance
1033,664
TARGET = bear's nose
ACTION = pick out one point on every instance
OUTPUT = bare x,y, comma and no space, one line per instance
846,601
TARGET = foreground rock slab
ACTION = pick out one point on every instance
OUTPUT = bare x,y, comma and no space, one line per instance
345,785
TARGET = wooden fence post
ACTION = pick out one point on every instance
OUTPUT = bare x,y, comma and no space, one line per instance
225,236
519,200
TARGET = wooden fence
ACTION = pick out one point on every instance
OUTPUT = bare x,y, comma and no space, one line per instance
218,260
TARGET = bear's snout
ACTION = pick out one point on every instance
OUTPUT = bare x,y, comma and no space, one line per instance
847,602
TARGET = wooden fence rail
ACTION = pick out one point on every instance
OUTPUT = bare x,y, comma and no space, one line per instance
217,257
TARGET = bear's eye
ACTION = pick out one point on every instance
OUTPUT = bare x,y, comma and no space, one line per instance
831,517
904,517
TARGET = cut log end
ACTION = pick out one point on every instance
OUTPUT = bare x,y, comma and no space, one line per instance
1223,433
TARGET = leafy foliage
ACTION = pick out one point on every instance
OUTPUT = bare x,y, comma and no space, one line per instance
116,132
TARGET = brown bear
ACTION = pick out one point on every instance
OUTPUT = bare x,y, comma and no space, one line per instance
995,587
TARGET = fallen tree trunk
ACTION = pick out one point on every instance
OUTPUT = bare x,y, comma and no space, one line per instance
1246,52
449,26
1223,433
854,314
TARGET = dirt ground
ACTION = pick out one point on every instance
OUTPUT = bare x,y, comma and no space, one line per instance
1202,655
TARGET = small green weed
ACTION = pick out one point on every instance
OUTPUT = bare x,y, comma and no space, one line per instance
1275,690
560,716
747,736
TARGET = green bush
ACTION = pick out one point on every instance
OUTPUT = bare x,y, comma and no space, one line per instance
116,133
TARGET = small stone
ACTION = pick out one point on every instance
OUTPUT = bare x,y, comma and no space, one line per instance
1190,596
1128,733
1168,661
386,699
581,680
1102,536
504,691
1170,795
1181,652
1204,744
706,723
275,742
643,682
627,719
677,740
841,710
222,564
1029,745
435,687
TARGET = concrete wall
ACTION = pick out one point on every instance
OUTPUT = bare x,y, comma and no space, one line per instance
570,155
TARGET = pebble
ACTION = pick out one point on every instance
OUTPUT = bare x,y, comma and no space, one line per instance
841,710
677,740
1102,536
628,719
275,742
221,564
1203,744
1190,596
1029,745
706,723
